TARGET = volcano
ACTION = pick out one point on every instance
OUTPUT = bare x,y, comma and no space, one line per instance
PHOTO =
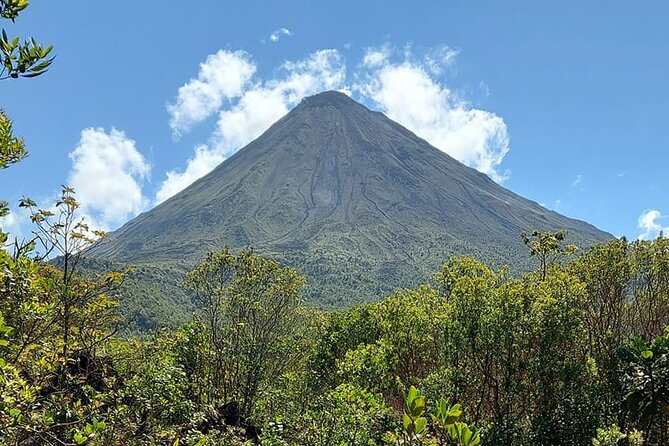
354,201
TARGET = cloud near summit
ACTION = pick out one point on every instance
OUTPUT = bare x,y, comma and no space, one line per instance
107,173
110,173
409,89
412,92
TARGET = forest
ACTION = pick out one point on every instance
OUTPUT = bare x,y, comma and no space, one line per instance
573,353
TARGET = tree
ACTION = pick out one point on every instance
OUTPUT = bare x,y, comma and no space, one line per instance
62,232
606,271
59,323
650,287
249,307
548,247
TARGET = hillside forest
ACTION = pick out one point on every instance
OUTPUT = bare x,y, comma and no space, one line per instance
575,352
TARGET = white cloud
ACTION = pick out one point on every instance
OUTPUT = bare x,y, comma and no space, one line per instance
650,222
411,91
9,222
408,92
276,35
258,106
222,76
375,57
202,163
107,170
440,57
16,224
257,109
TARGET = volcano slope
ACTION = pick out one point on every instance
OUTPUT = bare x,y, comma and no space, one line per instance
356,202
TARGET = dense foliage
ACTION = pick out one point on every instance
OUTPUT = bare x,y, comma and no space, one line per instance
575,353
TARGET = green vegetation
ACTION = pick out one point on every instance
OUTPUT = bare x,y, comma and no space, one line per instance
27,59
574,353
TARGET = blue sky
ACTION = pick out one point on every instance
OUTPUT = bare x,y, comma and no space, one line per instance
562,102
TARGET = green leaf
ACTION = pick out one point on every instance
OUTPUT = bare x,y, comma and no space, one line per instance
421,423
413,393
475,438
26,202
465,434
407,423
417,406
453,431
443,406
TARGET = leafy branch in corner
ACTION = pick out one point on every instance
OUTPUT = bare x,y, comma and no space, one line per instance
27,59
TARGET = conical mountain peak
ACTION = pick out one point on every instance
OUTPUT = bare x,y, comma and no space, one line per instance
353,200
330,98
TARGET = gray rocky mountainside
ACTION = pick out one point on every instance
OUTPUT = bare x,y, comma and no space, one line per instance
353,200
